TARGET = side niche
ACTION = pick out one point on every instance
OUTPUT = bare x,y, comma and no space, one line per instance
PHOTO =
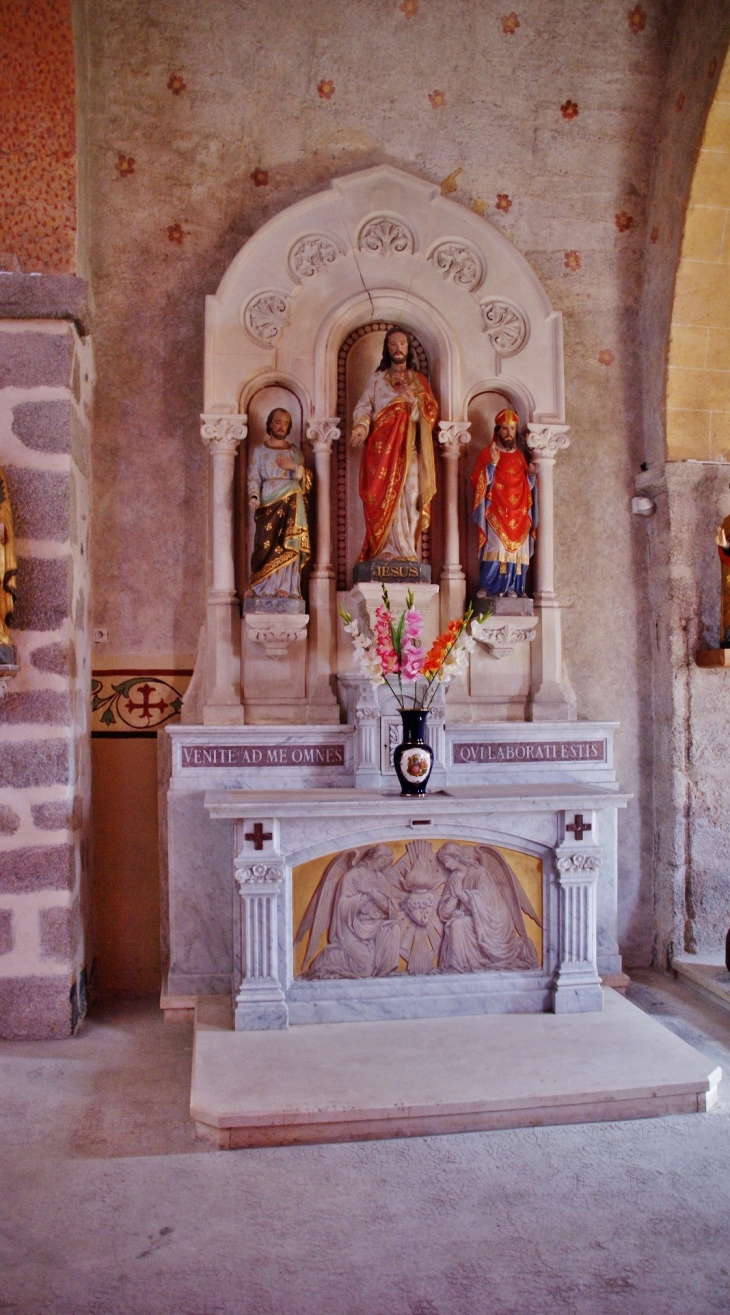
419,907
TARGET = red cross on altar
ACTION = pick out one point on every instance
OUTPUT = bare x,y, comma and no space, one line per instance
258,835
578,826
145,708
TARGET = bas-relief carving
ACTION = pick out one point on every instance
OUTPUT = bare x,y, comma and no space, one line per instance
386,235
265,315
505,327
454,908
312,254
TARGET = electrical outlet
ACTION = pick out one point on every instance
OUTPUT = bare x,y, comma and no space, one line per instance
100,635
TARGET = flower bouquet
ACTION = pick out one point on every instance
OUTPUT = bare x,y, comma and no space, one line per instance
395,653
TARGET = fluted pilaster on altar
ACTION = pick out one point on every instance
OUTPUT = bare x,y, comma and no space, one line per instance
221,435
453,436
578,985
551,698
322,432
260,1002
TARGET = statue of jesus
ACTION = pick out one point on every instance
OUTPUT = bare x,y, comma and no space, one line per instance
394,420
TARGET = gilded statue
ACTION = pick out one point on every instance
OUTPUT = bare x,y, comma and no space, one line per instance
8,572
393,423
278,485
723,549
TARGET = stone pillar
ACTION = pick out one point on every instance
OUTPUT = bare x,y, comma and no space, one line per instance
223,706
259,872
46,929
578,986
322,706
453,435
549,697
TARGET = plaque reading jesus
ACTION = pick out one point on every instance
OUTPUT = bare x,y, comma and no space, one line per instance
394,420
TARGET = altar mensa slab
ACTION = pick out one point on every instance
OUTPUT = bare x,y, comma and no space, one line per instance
361,1081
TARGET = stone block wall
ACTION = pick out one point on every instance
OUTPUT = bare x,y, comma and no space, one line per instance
46,378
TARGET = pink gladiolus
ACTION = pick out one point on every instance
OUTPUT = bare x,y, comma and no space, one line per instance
384,641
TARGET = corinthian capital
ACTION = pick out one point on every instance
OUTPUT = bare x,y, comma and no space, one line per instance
322,433
222,433
453,436
546,440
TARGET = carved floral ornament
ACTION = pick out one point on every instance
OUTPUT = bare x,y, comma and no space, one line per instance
505,326
265,315
386,235
313,254
546,440
259,874
578,862
220,433
460,262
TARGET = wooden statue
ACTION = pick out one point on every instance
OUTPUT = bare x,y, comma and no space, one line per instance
8,572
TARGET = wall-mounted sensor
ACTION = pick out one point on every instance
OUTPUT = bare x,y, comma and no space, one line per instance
642,506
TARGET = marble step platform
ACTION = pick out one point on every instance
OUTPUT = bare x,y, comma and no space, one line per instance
359,1081
705,973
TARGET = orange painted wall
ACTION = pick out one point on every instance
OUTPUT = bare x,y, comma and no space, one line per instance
38,132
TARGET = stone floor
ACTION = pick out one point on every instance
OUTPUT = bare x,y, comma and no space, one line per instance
110,1207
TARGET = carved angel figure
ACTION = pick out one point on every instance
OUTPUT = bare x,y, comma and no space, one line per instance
356,902
482,910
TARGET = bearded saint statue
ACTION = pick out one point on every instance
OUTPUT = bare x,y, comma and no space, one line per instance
8,571
505,510
394,420
278,485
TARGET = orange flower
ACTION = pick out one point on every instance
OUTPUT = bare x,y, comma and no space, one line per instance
175,233
679,103
326,89
624,221
606,356
637,20
408,7
440,647
503,202
569,109
573,260
124,165
175,84
437,99
259,177
654,235
510,24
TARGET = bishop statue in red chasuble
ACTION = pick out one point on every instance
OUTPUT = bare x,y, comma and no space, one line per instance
394,421
505,510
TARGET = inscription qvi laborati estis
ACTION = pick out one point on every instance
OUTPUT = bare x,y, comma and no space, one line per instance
534,751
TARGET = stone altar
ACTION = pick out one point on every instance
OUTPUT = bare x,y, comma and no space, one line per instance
280,776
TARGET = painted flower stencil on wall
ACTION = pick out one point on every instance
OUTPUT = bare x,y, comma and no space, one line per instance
124,165
437,99
408,7
259,177
606,356
637,20
176,233
624,221
510,24
326,89
175,84
503,202
569,109
573,260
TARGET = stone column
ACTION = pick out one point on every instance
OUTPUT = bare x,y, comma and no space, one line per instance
578,986
549,699
223,706
260,1003
322,706
453,436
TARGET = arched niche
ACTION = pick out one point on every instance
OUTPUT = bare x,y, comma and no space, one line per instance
382,245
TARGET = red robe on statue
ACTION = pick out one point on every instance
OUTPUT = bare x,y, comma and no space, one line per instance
388,450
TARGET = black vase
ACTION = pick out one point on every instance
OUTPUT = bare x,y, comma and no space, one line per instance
413,758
